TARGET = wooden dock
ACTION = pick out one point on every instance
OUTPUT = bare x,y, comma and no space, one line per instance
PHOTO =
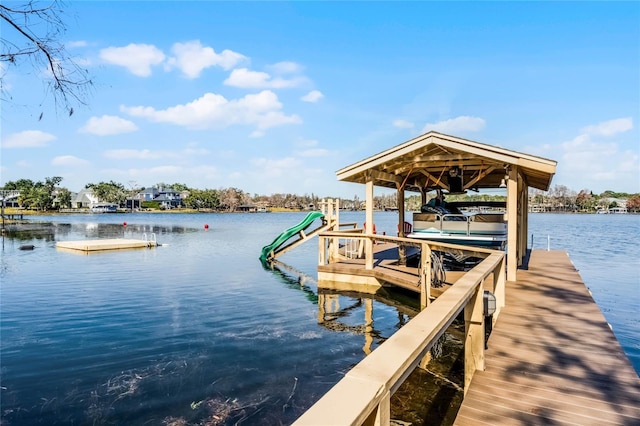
552,358
385,269
106,244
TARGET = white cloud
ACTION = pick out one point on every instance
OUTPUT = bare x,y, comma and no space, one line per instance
68,161
108,125
591,162
262,110
192,57
247,79
456,125
312,96
403,124
137,58
285,67
270,168
609,128
28,139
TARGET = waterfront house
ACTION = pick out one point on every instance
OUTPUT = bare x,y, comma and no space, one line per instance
165,197
84,199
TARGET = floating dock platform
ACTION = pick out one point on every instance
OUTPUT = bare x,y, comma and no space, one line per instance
107,244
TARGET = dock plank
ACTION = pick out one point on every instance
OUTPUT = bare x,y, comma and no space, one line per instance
552,358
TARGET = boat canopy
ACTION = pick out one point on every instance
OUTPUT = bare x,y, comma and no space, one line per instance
443,162
436,160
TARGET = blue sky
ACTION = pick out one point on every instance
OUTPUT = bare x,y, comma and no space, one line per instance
274,97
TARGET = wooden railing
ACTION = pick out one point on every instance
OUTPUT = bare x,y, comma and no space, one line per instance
330,244
363,396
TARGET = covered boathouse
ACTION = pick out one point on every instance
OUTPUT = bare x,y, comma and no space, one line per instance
552,358
455,165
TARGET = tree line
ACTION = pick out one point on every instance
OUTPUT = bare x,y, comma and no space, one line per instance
48,195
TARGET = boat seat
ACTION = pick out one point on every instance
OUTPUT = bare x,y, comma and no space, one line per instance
407,228
487,218
364,225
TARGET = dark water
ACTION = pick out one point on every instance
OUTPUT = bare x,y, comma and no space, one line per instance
198,332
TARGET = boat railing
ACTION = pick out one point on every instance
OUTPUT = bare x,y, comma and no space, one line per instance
334,247
150,239
363,395
548,242
460,223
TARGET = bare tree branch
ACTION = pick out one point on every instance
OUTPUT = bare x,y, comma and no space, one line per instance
35,33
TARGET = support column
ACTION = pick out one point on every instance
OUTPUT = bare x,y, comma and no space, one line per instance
402,255
474,336
512,224
425,276
368,246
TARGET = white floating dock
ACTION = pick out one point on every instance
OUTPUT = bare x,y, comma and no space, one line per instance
101,245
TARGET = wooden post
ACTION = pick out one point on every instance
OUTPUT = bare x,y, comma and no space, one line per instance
402,255
381,415
474,335
425,276
322,257
512,224
368,246
499,288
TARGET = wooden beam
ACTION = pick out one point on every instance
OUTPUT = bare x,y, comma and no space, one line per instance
437,181
389,177
368,245
512,224
481,175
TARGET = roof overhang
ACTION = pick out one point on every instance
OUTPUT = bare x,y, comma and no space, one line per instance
428,160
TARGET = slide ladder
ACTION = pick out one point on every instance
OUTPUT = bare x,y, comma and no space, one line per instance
277,247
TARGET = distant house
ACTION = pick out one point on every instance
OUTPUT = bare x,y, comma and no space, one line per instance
165,197
83,199
247,208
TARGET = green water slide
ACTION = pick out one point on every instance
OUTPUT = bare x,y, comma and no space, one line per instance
268,250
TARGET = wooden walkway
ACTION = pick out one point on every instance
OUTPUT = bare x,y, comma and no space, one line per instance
552,357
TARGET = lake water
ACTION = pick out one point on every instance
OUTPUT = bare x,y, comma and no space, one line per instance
197,331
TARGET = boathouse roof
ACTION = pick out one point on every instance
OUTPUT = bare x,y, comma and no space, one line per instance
434,160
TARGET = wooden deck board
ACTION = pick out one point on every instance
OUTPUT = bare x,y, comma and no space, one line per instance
552,357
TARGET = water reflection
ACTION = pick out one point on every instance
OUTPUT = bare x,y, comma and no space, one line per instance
431,393
50,231
340,306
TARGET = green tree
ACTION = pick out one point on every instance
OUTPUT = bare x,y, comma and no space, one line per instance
203,199
35,195
64,198
20,185
109,192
